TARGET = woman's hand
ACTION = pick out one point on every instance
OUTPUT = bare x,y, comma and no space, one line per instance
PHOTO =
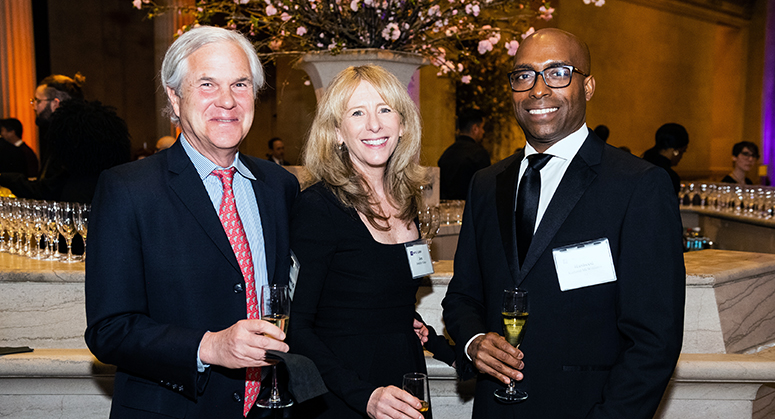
421,330
393,403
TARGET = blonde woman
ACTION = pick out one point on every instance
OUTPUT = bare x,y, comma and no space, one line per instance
353,308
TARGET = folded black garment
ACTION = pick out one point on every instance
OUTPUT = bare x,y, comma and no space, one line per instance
304,381
7,350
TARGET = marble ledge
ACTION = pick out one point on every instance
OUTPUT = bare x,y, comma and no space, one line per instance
714,267
727,368
731,216
53,363
15,268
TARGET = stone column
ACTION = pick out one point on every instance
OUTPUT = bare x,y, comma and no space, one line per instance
17,68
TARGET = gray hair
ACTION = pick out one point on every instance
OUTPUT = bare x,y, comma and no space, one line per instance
175,65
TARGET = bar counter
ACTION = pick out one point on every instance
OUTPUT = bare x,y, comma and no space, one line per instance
726,370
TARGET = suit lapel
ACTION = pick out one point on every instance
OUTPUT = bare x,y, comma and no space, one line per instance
505,198
185,182
580,174
265,203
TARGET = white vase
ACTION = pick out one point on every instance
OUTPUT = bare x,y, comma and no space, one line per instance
322,66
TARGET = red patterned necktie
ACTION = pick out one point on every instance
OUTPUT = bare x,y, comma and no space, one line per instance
239,243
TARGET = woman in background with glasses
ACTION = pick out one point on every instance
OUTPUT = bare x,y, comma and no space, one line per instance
745,154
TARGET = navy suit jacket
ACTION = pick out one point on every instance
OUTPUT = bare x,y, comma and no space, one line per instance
160,273
603,351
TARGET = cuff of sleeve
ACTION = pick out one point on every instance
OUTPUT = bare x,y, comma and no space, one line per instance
465,348
200,367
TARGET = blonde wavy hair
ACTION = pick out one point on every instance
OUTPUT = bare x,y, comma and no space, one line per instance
326,161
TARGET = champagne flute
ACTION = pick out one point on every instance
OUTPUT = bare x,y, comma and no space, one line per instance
416,384
430,222
515,312
275,307
82,223
66,226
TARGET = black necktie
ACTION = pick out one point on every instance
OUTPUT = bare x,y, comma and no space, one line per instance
527,202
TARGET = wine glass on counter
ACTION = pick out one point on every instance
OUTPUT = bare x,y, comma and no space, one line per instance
429,223
274,306
66,226
53,230
82,223
416,384
515,311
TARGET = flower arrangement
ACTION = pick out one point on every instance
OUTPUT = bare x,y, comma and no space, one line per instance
451,33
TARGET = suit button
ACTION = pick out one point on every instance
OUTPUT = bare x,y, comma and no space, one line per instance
237,397
238,288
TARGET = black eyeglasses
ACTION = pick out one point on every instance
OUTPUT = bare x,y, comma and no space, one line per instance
34,101
749,155
555,77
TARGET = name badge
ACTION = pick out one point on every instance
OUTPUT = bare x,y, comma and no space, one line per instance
294,275
584,264
419,258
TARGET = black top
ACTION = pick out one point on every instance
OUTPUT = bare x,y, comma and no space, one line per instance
458,164
730,179
657,159
353,306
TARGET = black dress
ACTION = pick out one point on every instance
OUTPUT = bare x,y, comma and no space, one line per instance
730,179
353,306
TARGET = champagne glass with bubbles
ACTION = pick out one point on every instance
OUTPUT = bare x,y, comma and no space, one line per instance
82,223
275,307
66,226
515,311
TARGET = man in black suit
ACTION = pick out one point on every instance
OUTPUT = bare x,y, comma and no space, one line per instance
464,157
168,290
602,261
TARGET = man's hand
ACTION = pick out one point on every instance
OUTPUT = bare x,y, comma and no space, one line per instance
493,355
421,330
393,403
242,345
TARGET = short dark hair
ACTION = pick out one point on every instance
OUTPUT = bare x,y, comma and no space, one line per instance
63,87
671,135
468,118
270,144
12,124
738,148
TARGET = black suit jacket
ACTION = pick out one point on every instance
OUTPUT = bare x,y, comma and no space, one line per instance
603,351
160,273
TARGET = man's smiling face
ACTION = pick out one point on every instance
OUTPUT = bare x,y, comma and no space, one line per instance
548,115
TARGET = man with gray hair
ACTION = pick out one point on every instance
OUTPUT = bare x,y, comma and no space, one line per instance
170,292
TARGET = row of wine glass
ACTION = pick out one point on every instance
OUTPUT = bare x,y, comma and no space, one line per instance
746,200
32,228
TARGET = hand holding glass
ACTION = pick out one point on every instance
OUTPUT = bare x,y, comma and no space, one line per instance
275,307
514,319
416,384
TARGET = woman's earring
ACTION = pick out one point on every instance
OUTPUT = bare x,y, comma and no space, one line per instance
676,153
341,147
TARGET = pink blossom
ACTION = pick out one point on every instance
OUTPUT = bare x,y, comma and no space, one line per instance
546,14
435,10
484,46
244,1
391,32
599,3
138,4
465,79
495,38
529,32
472,9
275,44
270,10
301,30
285,17
354,5
511,47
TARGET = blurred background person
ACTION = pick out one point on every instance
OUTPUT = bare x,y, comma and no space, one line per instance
672,141
464,157
602,132
86,138
745,154
49,95
15,155
164,143
277,152
353,309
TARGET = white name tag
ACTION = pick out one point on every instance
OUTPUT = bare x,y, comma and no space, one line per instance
584,264
419,258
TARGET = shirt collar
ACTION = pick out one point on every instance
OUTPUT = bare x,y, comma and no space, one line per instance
204,166
566,148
